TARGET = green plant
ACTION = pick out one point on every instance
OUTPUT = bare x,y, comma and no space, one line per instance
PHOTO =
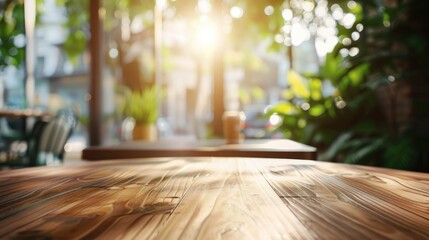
12,32
141,105
394,46
312,117
348,126
78,27
11,28
118,13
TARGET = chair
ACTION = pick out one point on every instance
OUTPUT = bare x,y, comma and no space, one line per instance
11,130
53,137
45,145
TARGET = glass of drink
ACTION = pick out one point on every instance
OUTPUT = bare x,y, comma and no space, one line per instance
233,124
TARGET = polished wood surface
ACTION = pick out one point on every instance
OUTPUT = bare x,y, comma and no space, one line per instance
213,198
264,148
23,114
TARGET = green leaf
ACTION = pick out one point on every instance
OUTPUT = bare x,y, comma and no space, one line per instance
358,74
336,147
316,89
400,154
365,127
287,94
332,68
141,105
317,110
297,85
284,108
361,154
308,132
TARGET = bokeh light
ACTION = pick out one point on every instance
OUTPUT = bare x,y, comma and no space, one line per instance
275,120
353,51
206,35
348,20
236,12
113,53
355,36
305,106
204,6
269,10
287,14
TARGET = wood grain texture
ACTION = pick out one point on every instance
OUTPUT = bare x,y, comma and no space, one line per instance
213,198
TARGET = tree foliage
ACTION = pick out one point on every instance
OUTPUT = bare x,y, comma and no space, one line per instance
12,38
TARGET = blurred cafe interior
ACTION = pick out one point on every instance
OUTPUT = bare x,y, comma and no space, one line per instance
214,119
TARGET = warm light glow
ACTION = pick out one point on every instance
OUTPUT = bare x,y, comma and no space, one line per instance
325,32
275,120
269,10
348,20
279,38
359,27
305,106
344,52
351,4
286,29
338,13
236,12
136,25
308,6
340,103
325,46
161,4
206,35
308,17
346,41
74,146
287,14
125,28
355,36
113,53
353,51
204,6
299,34
321,11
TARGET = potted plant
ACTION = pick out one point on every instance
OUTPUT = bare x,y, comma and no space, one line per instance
142,107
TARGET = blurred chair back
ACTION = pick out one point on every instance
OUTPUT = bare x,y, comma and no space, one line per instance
44,145
11,129
52,138
69,115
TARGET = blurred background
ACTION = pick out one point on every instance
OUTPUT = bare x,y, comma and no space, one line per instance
348,77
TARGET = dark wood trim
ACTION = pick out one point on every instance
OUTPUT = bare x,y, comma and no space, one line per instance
218,78
95,86
208,148
96,154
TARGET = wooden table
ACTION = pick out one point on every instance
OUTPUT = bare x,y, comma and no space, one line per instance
266,148
213,198
23,114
